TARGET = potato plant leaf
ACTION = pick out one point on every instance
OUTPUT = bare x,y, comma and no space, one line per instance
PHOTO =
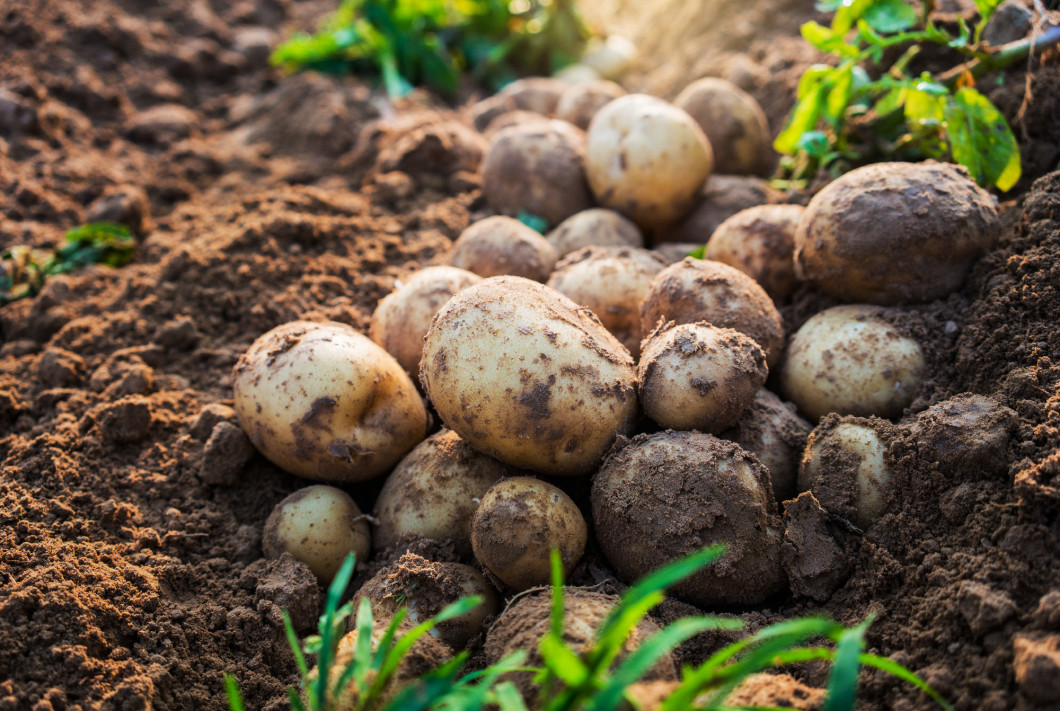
889,16
981,140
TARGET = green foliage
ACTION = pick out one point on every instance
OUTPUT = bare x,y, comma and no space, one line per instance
433,42
844,117
23,270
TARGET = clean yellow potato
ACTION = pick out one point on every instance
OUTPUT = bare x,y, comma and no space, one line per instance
318,525
580,102
523,374
326,403
595,227
895,233
848,360
734,124
502,245
517,525
610,58
434,491
611,282
402,317
647,159
694,376
703,290
760,242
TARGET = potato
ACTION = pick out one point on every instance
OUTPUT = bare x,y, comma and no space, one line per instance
434,491
895,233
580,102
611,282
424,588
523,374
402,317
721,198
760,242
965,433
647,159
318,525
577,74
673,252
668,494
502,245
513,118
776,691
537,168
845,467
701,290
734,124
484,112
326,403
595,227
610,58
518,523
694,376
846,359
537,94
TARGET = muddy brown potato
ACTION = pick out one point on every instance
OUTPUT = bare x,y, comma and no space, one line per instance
537,94
580,102
502,245
595,227
760,242
524,374
721,198
324,402
668,494
895,233
702,290
434,491
734,124
694,376
517,525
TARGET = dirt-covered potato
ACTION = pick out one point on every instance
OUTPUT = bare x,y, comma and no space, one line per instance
771,430
734,124
526,622
501,245
895,233
402,317
846,468
668,494
647,159
580,102
324,402
702,290
424,588
537,168
434,491
513,118
847,359
610,58
965,433
760,242
721,198
537,94
517,525
318,525
611,282
776,691
523,374
595,227
694,376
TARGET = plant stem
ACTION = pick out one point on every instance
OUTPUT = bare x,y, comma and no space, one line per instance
1004,56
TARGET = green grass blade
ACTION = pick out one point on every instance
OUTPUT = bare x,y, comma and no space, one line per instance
387,640
562,661
897,670
327,627
475,696
556,611
295,700
508,697
292,642
235,699
430,689
843,681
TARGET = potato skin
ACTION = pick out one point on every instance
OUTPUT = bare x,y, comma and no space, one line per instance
595,227
523,374
895,233
580,102
721,197
760,242
324,402
502,245
734,124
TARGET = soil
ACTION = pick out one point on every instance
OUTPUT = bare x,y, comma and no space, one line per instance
131,569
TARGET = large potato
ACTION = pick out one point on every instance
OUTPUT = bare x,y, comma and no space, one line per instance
647,159
595,227
734,124
523,374
502,245
760,242
895,233
324,402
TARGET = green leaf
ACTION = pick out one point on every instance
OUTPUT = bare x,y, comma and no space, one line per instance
843,681
890,102
698,253
986,8
924,109
826,40
534,222
981,140
235,699
811,96
842,87
814,143
562,661
848,13
890,16
508,697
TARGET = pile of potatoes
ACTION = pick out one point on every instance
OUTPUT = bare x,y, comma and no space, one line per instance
590,389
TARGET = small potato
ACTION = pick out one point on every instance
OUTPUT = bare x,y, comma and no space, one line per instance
772,431
611,282
326,403
483,113
595,227
519,522
537,168
848,360
523,374
647,159
701,290
579,103
895,233
402,317
722,197
318,525
760,242
434,491
611,58
965,433
577,74
694,376
502,245
537,94
845,468
734,124
513,118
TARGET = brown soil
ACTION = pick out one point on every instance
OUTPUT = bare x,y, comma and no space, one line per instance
131,570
